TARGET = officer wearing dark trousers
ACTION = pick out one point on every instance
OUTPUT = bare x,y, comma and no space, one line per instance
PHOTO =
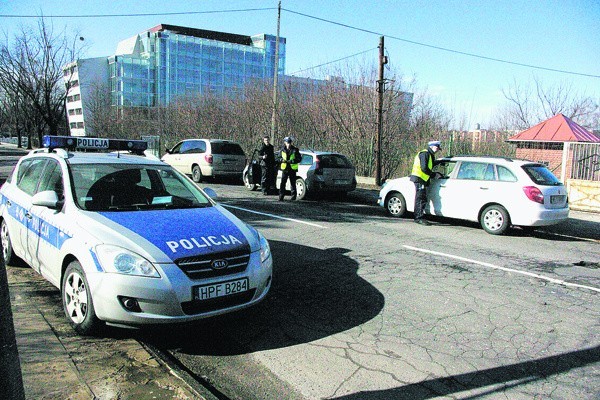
421,175
267,165
290,158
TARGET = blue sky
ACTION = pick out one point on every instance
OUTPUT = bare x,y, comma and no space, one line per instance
561,35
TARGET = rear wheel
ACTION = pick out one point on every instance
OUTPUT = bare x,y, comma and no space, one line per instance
300,189
249,186
7,250
395,204
77,300
495,219
196,174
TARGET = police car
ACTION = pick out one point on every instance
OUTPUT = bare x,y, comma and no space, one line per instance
127,239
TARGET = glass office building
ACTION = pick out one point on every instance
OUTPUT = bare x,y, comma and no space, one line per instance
155,67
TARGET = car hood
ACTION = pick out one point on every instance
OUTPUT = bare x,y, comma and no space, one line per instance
167,235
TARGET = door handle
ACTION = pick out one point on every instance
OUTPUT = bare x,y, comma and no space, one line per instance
28,215
483,188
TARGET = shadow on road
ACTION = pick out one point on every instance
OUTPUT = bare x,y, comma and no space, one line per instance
315,294
506,376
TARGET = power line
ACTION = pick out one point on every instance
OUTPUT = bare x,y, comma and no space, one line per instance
318,19
441,48
332,62
137,15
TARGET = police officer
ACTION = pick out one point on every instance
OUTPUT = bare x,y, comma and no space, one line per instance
289,157
267,165
420,175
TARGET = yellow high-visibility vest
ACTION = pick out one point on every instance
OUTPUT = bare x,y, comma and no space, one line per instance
292,160
416,169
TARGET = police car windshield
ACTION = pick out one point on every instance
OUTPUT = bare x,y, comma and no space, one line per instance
129,187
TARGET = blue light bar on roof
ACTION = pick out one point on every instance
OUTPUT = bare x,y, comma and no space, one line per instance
89,143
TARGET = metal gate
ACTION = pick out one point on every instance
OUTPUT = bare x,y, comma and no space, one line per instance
581,161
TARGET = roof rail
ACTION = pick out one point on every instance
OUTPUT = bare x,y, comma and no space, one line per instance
510,159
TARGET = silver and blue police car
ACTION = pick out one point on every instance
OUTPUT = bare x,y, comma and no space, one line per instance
127,239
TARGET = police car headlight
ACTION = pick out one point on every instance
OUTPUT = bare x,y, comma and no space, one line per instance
122,261
265,249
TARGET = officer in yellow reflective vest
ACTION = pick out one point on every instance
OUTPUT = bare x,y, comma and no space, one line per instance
289,157
420,175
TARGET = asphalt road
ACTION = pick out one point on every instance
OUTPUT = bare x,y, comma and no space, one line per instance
364,306
368,307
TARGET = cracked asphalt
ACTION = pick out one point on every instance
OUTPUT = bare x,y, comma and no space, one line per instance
361,309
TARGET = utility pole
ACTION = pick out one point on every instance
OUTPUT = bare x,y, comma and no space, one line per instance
275,76
380,90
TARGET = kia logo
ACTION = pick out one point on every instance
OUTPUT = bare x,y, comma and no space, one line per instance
219,264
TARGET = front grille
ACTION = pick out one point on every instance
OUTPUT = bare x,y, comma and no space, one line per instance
201,306
199,267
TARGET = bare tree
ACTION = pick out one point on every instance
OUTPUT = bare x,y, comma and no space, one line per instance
530,103
31,68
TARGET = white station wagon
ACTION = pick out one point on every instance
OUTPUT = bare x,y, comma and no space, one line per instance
495,191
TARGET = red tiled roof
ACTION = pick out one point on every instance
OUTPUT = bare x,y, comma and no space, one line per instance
556,129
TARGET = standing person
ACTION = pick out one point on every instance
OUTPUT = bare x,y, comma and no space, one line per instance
267,165
420,175
290,157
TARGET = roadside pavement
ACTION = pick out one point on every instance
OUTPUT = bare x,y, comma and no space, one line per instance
56,363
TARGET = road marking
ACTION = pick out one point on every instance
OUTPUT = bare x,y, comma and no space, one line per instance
516,271
275,216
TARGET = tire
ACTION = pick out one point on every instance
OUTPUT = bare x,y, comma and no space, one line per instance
495,220
395,205
196,174
7,249
77,300
300,189
250,186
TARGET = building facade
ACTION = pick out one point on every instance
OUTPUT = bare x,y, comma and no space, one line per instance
166,62
83,78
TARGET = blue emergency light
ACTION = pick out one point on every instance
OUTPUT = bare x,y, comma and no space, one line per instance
89,143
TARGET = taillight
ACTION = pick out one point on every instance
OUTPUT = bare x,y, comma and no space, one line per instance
208,158
534,194
318,169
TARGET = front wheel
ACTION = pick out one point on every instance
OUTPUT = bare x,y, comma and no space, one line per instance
300,189
7,249
196,174
495,219
395,204
77,300
249,186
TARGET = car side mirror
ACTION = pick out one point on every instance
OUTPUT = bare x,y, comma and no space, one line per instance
168,150
211,193
47,198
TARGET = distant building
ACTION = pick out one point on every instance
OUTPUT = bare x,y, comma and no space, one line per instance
81,78
165,62
478,135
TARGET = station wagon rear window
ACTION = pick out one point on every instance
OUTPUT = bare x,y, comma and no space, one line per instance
334,161
541,175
